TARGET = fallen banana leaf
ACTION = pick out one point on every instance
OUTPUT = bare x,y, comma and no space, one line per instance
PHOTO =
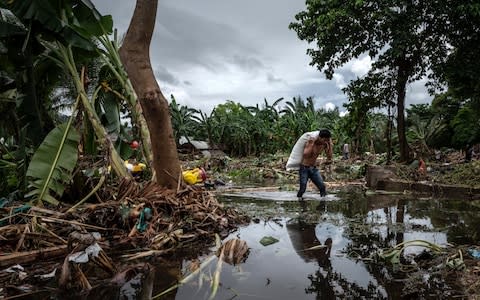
187,278
218,270
393,255
235,251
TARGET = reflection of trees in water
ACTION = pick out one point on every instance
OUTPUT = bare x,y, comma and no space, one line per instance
364,241
367,234
323,286
460,218
326,283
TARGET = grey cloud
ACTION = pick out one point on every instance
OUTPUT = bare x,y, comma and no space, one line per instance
164,75
322,93
272,79
417,93
248,63
183,38
200,48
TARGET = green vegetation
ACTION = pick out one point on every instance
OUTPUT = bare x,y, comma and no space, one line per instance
47,64
404,39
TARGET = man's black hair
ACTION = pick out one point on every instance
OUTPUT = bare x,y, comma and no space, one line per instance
324,133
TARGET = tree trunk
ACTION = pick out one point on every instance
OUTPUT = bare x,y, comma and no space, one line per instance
402,78
135,56
389,133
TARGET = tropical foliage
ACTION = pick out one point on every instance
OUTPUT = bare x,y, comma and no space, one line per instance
47,64
404,39
49,173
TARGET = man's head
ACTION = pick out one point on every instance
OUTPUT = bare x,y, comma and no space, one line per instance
324,133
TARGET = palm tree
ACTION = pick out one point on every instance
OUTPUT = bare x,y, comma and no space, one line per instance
184,122
263,127
421,132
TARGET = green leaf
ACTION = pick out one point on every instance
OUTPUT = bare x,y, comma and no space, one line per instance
53,163
268,240
39,10
90,22
74,22
112,114
9,24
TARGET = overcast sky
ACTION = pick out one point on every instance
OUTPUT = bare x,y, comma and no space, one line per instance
206,52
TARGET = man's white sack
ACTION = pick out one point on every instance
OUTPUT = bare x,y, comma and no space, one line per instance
295,158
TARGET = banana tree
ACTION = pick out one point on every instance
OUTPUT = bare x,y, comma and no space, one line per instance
24,77
52,164
233,128
63,55
264,127
110,57
421,132
66,29
184,121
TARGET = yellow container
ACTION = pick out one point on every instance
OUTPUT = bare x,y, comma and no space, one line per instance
196,175
134,167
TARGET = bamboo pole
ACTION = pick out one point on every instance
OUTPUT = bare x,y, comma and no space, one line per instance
31,256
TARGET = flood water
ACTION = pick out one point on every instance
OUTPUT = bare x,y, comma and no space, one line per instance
356,223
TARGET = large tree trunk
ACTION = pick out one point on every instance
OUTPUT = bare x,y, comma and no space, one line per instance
402,78
135,56
389,134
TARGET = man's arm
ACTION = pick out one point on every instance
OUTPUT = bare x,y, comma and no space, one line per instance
329,151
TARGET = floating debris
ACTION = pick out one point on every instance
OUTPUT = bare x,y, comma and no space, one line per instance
268,240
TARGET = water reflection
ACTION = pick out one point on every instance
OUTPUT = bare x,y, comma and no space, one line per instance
337,275
306,244
321,243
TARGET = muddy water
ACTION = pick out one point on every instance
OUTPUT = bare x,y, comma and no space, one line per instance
357,225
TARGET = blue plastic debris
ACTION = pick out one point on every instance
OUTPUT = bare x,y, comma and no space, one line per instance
475,253
145,216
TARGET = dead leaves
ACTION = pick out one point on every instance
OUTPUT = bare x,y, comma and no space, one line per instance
235,251
175,219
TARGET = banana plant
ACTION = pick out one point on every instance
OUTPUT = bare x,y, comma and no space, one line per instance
14,157
64,57
52,164
183,119
393,255
422,132
67,28
111,59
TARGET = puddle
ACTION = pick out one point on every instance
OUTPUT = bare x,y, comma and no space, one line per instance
280,196
355,224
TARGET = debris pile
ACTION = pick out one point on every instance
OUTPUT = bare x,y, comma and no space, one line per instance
143,220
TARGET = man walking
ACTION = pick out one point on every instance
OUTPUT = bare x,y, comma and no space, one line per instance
308,167
346,151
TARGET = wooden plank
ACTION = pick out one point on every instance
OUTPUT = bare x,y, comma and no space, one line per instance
28,257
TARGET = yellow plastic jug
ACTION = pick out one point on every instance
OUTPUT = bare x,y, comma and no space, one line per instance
134,167
196,175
